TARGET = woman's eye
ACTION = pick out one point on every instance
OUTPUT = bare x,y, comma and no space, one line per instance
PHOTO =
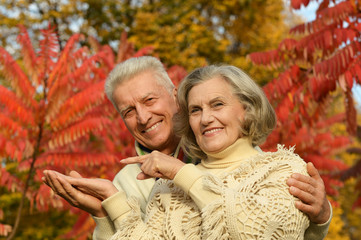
193,110
217,104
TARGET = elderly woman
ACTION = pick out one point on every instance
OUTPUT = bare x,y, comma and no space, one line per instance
235,192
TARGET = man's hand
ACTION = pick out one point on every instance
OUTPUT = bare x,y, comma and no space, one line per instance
156,164
311,191
96,187
57,182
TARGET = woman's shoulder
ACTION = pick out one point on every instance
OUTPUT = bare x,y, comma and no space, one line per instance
284,157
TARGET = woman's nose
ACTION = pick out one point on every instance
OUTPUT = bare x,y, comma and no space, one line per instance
207,117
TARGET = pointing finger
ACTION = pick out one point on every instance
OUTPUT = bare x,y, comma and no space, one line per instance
131,160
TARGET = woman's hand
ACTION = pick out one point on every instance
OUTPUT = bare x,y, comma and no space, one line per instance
156,164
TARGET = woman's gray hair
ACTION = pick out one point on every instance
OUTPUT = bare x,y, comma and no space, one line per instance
259,119
133,67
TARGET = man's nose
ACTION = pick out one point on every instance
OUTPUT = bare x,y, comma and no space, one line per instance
143,115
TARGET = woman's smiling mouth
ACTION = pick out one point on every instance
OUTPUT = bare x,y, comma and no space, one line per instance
210,131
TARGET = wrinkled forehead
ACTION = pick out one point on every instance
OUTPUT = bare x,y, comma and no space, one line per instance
148,76
139,89
216,83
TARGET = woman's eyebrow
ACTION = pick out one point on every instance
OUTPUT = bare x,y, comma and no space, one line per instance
216,99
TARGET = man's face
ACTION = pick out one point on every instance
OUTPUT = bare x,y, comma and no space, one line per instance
147,109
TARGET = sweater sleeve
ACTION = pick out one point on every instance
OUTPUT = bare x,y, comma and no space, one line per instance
190,180
318,231
256,206
163,220
116,206
127,217
104,228
125,181
128,220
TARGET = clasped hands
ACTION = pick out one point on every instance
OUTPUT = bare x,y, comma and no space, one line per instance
88,193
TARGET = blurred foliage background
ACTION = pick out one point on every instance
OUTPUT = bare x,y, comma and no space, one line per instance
188,33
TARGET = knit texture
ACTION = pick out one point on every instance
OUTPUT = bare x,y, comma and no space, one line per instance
253,203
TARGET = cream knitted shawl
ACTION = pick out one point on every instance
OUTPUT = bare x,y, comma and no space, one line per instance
253,203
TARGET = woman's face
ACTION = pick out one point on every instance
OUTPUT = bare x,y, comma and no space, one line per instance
215,115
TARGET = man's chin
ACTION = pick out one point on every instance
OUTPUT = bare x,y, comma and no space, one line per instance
153,145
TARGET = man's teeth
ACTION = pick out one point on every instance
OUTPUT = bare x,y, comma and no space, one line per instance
212,131
153,127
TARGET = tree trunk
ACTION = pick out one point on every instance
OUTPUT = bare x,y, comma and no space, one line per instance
26,187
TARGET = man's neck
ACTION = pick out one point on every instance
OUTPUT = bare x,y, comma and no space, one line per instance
142,150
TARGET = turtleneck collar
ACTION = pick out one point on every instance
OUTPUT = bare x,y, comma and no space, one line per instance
238,151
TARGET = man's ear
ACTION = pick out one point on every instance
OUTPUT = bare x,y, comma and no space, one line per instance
174,95
174,92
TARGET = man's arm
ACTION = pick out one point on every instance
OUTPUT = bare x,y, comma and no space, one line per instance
88,201
125,180
311,191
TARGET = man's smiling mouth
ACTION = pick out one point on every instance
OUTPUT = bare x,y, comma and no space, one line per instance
152,127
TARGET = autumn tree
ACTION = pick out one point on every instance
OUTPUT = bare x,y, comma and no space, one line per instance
319,65
54,115
51,115
195,33
187,33
43,93
349,198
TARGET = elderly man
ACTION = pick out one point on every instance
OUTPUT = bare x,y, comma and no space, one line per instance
143,94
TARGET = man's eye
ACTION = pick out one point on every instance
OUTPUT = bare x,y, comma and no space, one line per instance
127,113
149,100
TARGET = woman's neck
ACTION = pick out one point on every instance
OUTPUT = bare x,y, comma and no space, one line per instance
238,151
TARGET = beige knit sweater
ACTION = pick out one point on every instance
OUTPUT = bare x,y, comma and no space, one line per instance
236,194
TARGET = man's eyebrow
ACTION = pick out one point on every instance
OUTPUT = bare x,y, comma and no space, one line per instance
146,96
142,99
